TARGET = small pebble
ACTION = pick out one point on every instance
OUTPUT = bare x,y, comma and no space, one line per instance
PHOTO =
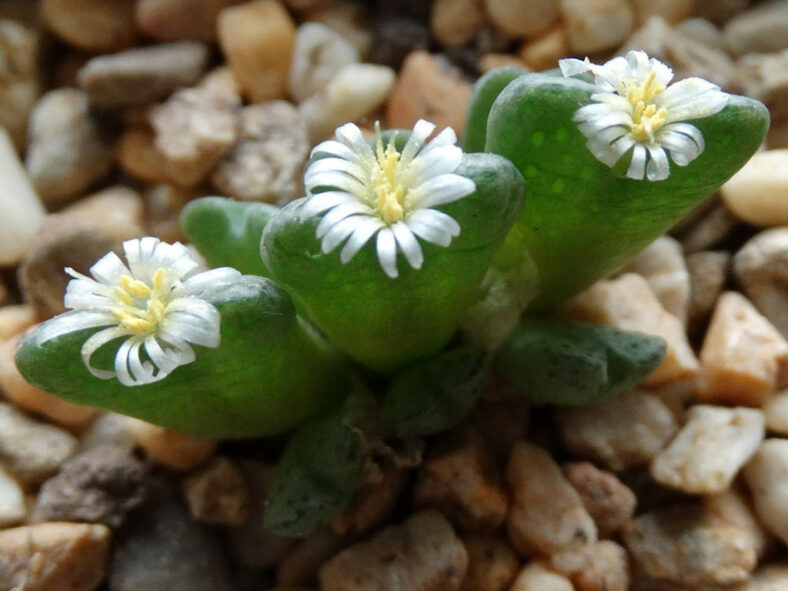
89,25
257,39
353,92
319,53
606,568
20,83
142,75
708,271
217,493
177,451
164,204
764,76
715,226
742,356
456,22
703,31
687,546
711,447
301,565
767,478
762,29
460,478
775,411
29,398
536,577
609,501
673,11
596,25
54,557
525,18
758,193
492,564
23,212
720,11
373,503
734,506
395,37
428,90
180,20
544,51
15,318
421,553
13,508
109,429
267,162
349,20
622,433
67,151
137,156
547,514
760,268
32,451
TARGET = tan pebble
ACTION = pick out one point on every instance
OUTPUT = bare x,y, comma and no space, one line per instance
455,22
22,210
179,20
597,25
536,577
13,508
460,478
547,514
319,53
29,398
257,39
711,447
714,226
492,564
768,577
765,77
421,553
217,493
758,193
20,83
677,396
55,556
179,451
708,271
137,155
114,205
93,26
608,500
673,11
373,503
347,18
688,546
742,356
14,319
492,61
108,429
163,204
761,267
300,566
775,410
629,303
761,29
602,566
524,18
622,433
767,478
427,90
735,507
777,137
544,51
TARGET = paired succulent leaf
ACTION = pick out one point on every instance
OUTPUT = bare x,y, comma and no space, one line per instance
227,233
556,361
270,372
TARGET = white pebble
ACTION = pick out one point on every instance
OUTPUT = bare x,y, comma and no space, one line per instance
318,54
758,193
767,477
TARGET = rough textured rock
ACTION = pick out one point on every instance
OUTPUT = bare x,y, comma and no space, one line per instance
67,149
217,493
708,271
492,564
761,29
54,557
686,545
163,548
373,503
178,451
765,77
625,432
605,568
257,38
711,447
460,478
142,75
547,514
758,193
597,25
421,553
767,478
319,53
19,77
97,486
92,26
32,451
267,162
609,501
742,355
735,506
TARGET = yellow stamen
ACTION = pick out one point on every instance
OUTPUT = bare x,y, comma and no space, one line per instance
390,194
646,118
132,315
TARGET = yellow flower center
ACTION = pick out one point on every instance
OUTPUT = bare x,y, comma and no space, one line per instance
646,117
389,192
142,307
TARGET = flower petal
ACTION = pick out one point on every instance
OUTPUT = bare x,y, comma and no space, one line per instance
364,230
442,189
637,166
95,342
658,168
408,244
387,252
320,202
339,232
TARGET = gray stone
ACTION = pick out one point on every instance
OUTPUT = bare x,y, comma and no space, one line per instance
97,486
142,75
762,29
67,151
765,77
708,271
163,548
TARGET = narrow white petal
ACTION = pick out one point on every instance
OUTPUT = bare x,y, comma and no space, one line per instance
573,67
692,98
336,180
443,160
142,371
73,322
435,218
339,232
447,137
208,282
408,244
339,213
387,252
442,189
164,360
350,135
363,231
658,168
421,131
94,343
335,148
683,148
324,165
320,202
109,269
637,167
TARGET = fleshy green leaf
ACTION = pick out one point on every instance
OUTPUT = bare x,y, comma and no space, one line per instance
485,91
227,233
385,323
436,394
316,477
572,363
581,219
271,371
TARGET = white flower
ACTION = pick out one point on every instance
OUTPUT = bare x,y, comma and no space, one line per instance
636,110
363,192
156,304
